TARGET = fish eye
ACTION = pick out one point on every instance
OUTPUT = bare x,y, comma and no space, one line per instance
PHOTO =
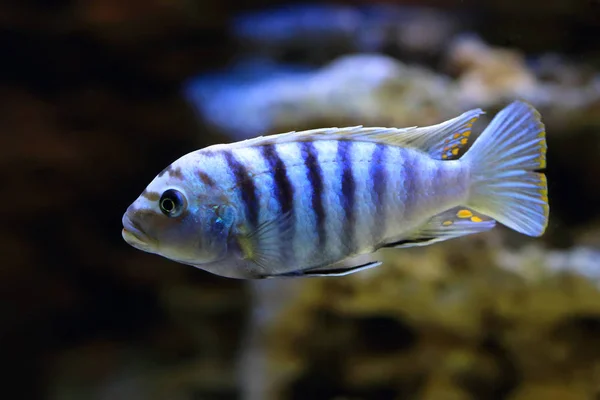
172,203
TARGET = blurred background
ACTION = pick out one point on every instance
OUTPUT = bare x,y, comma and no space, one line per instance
97,96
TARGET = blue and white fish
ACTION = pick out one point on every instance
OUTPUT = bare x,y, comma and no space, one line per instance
312,203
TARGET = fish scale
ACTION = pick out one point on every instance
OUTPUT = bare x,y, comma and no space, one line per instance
347,196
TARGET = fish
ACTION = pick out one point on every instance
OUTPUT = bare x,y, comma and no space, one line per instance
324,202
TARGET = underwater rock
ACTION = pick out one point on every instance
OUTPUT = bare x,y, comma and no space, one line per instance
488,76
361,89
536,261
248,98
268,298
449,318
258,97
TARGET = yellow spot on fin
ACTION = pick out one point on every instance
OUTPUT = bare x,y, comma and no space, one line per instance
457,141
464,214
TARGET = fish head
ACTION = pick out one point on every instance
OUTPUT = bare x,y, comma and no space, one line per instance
180,219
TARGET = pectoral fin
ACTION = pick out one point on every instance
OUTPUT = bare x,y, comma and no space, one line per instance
456,222
263,246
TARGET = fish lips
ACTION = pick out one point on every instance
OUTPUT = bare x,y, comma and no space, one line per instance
134,236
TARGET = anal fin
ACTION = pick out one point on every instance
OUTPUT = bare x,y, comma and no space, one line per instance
453,223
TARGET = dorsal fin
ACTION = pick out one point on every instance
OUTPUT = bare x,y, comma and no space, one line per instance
444,141
441,141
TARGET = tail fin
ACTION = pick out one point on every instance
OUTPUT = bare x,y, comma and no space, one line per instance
504,160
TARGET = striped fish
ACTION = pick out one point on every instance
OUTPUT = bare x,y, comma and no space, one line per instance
314,203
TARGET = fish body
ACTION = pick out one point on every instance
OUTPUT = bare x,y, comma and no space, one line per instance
312,203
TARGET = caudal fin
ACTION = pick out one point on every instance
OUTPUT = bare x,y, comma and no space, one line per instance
504,163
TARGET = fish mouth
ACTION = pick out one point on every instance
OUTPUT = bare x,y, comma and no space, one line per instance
134,236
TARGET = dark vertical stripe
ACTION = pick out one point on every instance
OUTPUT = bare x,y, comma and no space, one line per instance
247,187
315,179
348,195
283,188
283,191
378,177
